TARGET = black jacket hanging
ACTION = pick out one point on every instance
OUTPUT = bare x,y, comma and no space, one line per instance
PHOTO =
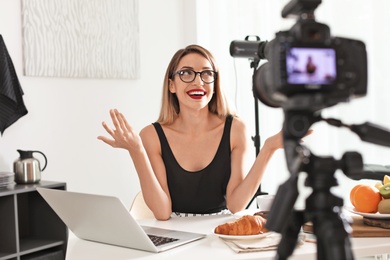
11,94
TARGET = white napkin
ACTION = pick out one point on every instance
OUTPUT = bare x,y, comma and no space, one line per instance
269,242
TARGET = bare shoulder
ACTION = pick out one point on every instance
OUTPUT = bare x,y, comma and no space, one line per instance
148,131
238,126
150,138
238,133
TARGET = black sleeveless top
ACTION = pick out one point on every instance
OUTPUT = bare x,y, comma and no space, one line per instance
200,192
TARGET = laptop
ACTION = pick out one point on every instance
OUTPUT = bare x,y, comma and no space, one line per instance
105,219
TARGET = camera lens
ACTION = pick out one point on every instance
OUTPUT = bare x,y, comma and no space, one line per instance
261,86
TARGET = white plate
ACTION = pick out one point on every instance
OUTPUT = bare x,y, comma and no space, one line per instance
368,215
243,237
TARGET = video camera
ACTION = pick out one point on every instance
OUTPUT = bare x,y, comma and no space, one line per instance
308,70
306,61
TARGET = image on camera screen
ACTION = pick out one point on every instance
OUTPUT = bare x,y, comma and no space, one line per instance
311,65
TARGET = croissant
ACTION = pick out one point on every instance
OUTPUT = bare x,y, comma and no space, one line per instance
246,225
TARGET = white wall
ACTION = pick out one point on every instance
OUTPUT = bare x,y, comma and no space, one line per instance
65,115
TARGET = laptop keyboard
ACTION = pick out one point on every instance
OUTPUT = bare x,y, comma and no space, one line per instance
157,240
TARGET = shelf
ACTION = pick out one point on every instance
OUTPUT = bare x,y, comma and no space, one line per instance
29,246
8,240
30,229
8,256
54,254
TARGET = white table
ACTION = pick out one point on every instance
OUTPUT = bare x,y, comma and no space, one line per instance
211,246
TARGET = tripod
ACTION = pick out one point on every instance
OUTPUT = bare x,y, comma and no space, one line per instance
323,208
256,138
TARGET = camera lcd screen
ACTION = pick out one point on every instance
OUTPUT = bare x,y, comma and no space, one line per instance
315,66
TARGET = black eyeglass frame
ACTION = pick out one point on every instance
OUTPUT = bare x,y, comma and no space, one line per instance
195,74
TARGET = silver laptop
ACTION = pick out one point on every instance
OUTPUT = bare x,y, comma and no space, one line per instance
105,219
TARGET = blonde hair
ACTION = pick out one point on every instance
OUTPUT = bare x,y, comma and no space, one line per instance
170,108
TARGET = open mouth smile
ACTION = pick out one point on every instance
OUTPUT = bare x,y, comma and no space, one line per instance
196,93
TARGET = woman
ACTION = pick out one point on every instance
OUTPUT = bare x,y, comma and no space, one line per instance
192,159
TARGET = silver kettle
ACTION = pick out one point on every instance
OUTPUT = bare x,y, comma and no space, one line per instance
27,168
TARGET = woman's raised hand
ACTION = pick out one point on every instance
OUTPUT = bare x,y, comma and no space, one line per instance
123,134
276,141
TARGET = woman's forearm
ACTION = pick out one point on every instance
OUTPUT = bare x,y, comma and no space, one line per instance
154,195
244,192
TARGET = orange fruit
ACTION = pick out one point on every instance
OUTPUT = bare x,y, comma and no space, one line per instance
352,193
365,198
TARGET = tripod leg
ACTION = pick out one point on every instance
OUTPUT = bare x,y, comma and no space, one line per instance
332,234
290,235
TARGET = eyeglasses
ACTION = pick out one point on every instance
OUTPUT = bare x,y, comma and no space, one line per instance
188,75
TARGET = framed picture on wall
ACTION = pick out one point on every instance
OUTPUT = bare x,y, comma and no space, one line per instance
81,38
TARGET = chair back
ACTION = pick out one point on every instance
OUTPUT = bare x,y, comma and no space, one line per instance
139,209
